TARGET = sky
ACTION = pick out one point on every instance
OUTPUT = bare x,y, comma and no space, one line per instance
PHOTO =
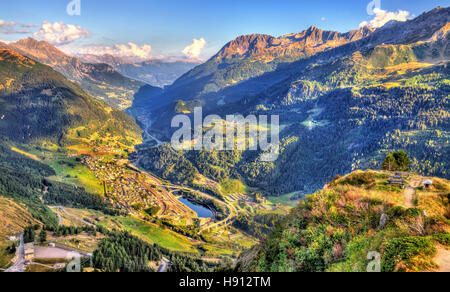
196,29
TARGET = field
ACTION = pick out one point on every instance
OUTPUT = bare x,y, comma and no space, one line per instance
5,257
81,241
67,169
37,268
151,233
70,171
13,218
34,157
284,200
233,186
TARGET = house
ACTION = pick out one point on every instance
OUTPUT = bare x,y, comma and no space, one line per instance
29,252
13,238
427,183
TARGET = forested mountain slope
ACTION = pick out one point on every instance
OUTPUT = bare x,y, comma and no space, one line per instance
341,109
38,103
99,80
248,57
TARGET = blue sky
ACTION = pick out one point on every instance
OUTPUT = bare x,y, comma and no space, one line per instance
168,26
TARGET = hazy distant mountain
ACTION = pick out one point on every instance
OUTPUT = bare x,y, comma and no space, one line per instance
99,80
158,73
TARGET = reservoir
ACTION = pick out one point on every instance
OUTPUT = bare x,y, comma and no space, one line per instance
201,211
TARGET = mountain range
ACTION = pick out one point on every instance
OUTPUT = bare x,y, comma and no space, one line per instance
344,100
99,80
251,64
158,73
38,104
250,56
72,131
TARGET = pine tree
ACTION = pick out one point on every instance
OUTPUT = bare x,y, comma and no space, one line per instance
43,236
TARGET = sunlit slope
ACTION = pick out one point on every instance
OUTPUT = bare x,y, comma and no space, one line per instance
101,81
37,103
336,228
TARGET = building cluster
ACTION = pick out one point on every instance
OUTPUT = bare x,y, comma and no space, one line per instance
129,189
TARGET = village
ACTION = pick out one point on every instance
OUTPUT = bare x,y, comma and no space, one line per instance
129,189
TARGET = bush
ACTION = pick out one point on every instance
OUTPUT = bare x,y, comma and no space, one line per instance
443,238
359,179
399,253
396,212
414,212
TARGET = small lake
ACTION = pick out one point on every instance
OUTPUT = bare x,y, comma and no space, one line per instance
201,211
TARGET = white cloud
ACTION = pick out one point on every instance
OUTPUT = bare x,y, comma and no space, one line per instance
323,19
26,25
382,17
195,49
10,28
7,24
129,50
59,33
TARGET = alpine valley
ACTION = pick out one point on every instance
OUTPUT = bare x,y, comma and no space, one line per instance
86,163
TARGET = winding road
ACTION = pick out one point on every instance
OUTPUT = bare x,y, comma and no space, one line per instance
61,208
158,142
19,266
164,265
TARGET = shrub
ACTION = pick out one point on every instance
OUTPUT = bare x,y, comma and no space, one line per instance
396,212
414,212
399,253
443,238
359,179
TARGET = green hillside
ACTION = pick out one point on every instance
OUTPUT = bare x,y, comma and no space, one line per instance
340,110
338,227
37,104
100,81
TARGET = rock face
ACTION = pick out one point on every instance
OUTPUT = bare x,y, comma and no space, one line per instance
296,45
100,80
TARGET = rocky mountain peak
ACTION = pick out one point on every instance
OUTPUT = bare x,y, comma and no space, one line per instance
294,45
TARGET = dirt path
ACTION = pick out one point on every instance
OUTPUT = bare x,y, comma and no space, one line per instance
443,260
409,197
410,193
